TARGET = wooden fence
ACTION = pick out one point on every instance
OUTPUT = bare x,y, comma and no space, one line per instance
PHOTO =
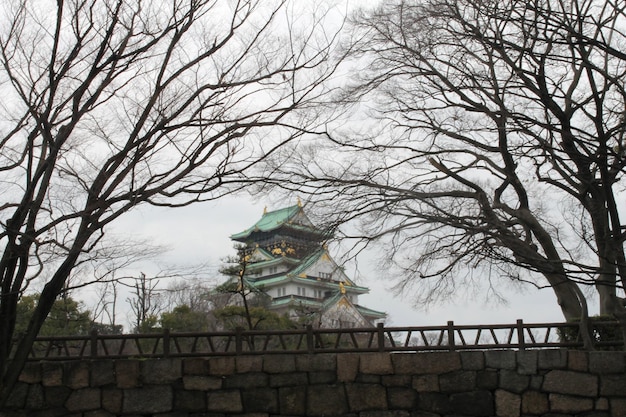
309,340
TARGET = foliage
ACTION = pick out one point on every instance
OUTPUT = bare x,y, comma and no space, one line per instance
233,317
183,319
67,317
603,329
240,288
102,328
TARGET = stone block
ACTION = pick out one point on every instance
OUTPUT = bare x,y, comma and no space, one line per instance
31,373
612,385
52,374
195,366
487,380
348,368
472,361
536,382
396,380
401,398
527,362
500,359
228,401
368,379
275,364
260,400
514,382
426,363
434,402
323,377
290,379
56,396
376,363
552,359
148,399
76,374
602,404
322,361
102,373
618,407
508,404
571,383
594,414
326,400
127,374
36,399
363,397
606,362
426,383
222,366
98,413
457,381
561,403
578,361
189,401
161,371
393,413
475,403
112,400
249,380
83,400
17,399
202,383
292,401
244,364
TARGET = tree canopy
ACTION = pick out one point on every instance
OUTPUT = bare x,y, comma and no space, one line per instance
490,141
109,104
67,317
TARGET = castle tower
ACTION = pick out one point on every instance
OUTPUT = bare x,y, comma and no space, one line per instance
287,259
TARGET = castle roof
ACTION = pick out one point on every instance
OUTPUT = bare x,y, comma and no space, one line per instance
292,217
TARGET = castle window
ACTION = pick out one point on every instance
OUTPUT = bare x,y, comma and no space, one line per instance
302,291
326,275
282,291
273,269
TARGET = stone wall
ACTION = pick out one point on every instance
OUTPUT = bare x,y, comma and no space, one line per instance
492,383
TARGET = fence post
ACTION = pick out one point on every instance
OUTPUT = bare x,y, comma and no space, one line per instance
238,340
380,330
451,341
310,345
93,343
166,343
520,335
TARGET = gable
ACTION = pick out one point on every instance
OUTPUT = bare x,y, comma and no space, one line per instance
260,255
325,267
301,219
342,313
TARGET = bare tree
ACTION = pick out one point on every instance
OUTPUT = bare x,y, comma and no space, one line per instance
493,136
108,104
146,303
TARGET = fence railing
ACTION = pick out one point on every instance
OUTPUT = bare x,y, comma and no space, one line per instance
309,340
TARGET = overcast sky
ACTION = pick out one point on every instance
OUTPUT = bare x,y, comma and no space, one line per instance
200,234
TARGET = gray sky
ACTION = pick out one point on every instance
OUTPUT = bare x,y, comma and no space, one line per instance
200,234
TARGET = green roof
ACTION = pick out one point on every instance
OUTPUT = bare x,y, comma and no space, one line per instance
368,312
271,220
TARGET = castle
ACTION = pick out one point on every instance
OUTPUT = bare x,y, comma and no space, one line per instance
287,259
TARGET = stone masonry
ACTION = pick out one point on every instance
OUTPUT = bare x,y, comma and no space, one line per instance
555,383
